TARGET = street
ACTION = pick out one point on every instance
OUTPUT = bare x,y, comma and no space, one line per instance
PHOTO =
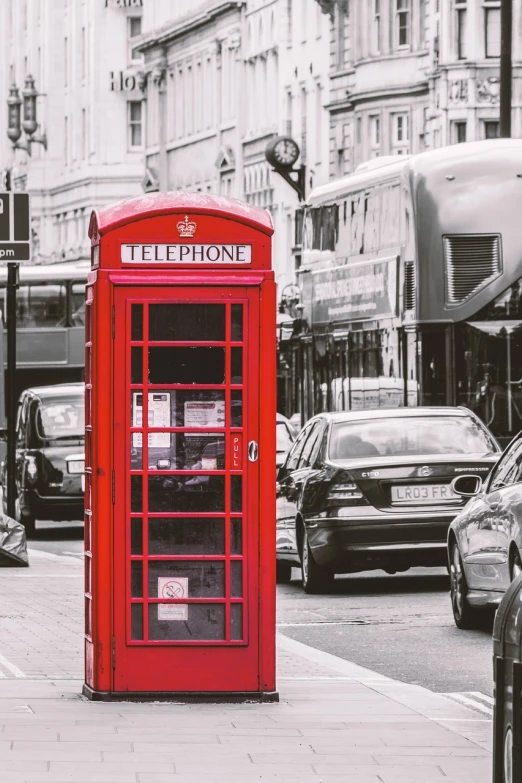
400,626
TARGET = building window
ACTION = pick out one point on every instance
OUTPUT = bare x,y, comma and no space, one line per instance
461,12
422,22
135,124
491,129
83,53
401,128
344,46
402,22
458,131
492,29
66,141
304,129
65,61
318,122
358,129
345,161
289,21
375,132
377,26
84,134
133,32
289,110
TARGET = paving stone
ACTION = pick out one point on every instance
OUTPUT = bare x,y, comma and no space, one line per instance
386,774
313,758
440,752
335,722
24,765
216,777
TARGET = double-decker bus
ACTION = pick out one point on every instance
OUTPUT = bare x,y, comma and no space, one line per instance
50,312
411,288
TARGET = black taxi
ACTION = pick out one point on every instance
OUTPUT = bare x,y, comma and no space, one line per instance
50,455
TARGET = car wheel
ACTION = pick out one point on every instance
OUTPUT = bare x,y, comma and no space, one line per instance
515,566
466,617
283,573
314,578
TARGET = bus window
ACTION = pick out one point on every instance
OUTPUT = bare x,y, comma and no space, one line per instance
41,305
78,304
330,220
372,209
316,228
390,216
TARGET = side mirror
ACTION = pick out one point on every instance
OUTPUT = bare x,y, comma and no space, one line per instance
280,473
3,434
467,486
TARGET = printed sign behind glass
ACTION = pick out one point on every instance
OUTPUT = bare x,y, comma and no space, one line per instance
355,291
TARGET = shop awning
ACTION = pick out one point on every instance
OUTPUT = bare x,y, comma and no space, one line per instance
496,327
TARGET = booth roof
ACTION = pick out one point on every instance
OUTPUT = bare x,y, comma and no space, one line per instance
153,204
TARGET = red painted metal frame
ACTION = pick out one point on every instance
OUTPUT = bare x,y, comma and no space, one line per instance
138,654
114,663
228,431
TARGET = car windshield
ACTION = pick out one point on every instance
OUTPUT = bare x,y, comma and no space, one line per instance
60,418
398,437
283,438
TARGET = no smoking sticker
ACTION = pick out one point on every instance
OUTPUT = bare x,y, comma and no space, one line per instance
169,587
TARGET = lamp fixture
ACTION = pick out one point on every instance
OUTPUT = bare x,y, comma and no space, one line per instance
28,123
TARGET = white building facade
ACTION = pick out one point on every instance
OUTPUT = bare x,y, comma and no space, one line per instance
86,69
410,75
223,78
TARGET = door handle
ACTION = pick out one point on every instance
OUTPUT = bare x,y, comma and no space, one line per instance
253,451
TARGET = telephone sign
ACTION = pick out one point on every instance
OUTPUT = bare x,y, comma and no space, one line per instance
180,451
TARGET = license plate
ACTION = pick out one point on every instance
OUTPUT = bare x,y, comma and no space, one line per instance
423,493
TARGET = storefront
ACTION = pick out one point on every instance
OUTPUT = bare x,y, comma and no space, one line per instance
347,349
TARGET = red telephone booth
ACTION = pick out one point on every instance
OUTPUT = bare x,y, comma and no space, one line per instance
180,450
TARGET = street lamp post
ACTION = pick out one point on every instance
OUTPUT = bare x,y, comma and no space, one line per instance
506,66
28,124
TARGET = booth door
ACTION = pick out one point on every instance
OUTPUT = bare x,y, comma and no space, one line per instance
186,527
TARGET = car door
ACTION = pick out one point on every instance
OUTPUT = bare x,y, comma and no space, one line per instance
21,442
17,458
509,515
286,498
305,466
484,557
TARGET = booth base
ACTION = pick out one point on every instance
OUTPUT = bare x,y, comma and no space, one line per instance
196,697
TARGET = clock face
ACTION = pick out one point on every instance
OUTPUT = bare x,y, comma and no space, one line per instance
286,152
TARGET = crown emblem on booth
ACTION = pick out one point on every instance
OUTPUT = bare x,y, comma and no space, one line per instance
186,228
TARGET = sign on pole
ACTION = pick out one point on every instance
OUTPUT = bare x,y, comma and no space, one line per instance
15,227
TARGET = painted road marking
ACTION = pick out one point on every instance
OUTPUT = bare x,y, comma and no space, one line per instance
473,699
18,673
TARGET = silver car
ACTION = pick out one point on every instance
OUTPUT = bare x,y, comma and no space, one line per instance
485,539
285,436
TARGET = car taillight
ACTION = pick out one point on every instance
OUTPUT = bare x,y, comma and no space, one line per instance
31,470
347,493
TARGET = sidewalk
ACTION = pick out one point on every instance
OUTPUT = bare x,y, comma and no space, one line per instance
335,721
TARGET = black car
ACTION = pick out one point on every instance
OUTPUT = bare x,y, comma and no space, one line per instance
50,455
372,490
